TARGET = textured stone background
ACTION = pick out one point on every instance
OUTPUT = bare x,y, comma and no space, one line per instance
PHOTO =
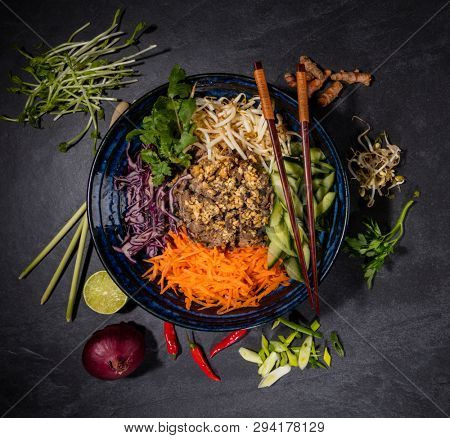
396,335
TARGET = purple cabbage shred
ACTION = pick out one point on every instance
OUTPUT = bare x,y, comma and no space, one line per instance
150,210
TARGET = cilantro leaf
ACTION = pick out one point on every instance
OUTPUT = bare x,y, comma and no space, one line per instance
374,246
168,128
176,86
186,111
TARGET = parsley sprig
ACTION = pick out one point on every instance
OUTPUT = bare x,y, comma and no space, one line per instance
74,77
374,246
168,130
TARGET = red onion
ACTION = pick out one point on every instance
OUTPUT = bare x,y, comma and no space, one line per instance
114,352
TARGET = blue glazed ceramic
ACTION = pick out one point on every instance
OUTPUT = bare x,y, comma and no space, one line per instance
106,207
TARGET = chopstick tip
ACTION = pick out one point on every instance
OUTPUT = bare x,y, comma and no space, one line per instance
301,67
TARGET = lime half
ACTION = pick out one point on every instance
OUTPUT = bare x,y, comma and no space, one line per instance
102,295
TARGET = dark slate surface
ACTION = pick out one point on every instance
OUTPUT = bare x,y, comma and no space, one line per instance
396,335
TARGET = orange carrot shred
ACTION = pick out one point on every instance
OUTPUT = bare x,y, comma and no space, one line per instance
226,279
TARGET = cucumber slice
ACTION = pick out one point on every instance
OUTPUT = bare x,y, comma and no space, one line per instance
283,235
274,237
278,189
325,165
320,193
293,167
317,155
277,213
294,183
328,181
292,264
273,255
325,204
315,170
293,269
317,182
303,236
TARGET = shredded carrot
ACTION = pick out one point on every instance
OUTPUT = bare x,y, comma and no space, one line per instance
226,279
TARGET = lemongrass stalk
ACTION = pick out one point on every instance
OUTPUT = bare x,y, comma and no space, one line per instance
76,270
61,233
62,264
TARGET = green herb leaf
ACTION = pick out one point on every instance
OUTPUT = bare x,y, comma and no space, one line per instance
176,86
67,79
374,247
168,128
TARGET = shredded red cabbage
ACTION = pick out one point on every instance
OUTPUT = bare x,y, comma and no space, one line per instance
150,211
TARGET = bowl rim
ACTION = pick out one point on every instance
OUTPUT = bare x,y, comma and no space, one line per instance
272,88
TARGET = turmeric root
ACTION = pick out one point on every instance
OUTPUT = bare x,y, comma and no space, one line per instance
311,68
328,95
316,84
352,77
290,79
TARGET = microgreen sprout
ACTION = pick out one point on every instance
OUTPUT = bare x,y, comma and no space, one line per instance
75,76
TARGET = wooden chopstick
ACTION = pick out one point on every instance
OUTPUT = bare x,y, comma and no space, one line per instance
303,115
266,106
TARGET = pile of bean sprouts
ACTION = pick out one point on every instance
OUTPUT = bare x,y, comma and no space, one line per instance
374,166
238,125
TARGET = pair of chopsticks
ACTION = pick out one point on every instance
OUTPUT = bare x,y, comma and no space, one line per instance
303,112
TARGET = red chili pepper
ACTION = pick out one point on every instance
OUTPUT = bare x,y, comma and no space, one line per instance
200,359
170,334
228,340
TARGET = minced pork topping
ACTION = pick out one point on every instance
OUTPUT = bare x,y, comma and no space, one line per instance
226,203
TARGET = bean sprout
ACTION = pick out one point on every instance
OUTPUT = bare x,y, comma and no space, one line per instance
238,125
374,167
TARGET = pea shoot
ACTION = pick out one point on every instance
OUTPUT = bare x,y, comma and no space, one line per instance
74,77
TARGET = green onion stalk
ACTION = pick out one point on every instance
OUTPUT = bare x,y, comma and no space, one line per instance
61,233
76,271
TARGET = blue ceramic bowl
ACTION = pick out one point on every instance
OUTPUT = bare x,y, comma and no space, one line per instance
106,207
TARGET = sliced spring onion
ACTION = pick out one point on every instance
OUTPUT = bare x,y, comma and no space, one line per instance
278,346
315,325
250,355
284,358
268,364
265,345
275,324
290,338
262,355
300,328
274,376
336,343
305,352
292,358
327,357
